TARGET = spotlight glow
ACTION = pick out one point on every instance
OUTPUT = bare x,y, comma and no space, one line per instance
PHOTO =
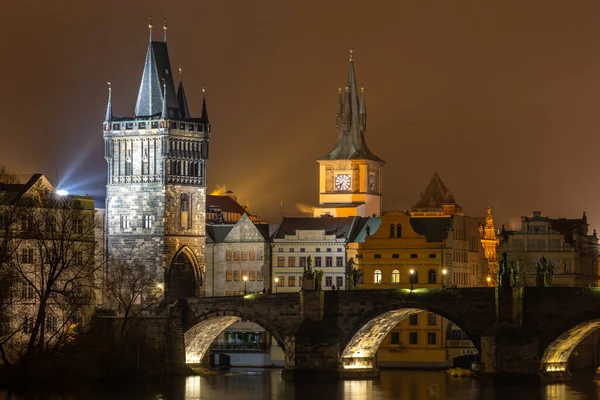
62,192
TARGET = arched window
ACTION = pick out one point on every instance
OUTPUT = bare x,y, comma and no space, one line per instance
392,233
395,276
377,276
399,230
432,276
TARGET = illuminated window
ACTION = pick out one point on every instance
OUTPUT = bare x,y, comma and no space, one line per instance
395,276
291,281
228,255
328,281
236,256
228,293
280,281
244,275
125,222
291,261
252,276
252,256
236,275
377,276
185,211
259,276
244,256
228,276
281,261
148,221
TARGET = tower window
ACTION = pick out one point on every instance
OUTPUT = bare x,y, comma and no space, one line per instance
148,221
125,223
185,211
392,231
399,230
377,276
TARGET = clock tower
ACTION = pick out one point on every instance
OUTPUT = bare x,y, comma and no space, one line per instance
350,181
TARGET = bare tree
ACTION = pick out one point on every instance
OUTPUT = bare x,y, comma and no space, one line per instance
49,254
133,291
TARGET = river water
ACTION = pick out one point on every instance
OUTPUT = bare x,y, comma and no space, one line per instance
267,384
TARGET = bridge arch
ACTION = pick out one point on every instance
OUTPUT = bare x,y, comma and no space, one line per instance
361,343
203,329
556,355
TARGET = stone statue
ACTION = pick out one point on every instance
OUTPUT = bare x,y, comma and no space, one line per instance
544,273
508,271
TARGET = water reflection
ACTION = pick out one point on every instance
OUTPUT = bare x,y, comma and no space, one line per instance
267,384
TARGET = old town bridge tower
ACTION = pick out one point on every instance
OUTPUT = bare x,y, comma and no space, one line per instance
156,189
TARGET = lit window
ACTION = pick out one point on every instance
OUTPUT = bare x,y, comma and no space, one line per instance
236,256
280,261
252,256
244,256
291,261
291,281
259,276
252,276
280,281
228,255
125,222
395,276
148,221
377,276
236,275
228,276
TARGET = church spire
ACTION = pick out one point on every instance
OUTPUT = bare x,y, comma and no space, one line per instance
181,99
165,31
340,110
204,108
150,28
109,113
165,109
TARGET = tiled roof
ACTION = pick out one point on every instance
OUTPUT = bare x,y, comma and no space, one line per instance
341,226
435,195
434,229
218,233
225,203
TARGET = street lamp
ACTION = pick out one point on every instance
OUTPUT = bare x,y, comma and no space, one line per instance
412,274
276,284
245,283
488,279
444,272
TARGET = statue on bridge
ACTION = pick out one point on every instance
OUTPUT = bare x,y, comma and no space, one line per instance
508,271
544,273
353,275
311,278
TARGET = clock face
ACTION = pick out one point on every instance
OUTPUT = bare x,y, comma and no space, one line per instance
372,183
342,182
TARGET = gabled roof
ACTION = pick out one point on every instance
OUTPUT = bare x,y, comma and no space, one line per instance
13,192
351,144
435,195
341,227
157,69
434,229
218,233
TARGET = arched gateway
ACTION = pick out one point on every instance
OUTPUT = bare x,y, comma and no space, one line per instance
184,277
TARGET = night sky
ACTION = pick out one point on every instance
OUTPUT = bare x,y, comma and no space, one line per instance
501,99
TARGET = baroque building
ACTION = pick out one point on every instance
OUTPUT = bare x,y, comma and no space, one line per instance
156,189
565,242
350,181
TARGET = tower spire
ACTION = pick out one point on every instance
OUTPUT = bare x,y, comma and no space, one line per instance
109,114
204,108
184,111
340,110
165,31
150,28
165,110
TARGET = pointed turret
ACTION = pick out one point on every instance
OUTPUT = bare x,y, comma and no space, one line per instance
351,144
204,108
184,111
165,109
109,113
363,111
340,110
436,197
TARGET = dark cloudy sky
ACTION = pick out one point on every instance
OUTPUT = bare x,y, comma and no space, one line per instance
500,97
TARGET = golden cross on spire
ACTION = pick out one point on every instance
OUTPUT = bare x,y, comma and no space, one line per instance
165,29
109,86
150,27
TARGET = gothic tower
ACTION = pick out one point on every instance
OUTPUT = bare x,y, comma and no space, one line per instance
350,175
156,189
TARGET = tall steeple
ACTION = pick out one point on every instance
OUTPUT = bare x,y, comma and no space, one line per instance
351,144
204,108
109,113
340,110
156,69
165,110
181,99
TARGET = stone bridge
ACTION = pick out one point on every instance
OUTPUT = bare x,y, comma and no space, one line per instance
519,332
